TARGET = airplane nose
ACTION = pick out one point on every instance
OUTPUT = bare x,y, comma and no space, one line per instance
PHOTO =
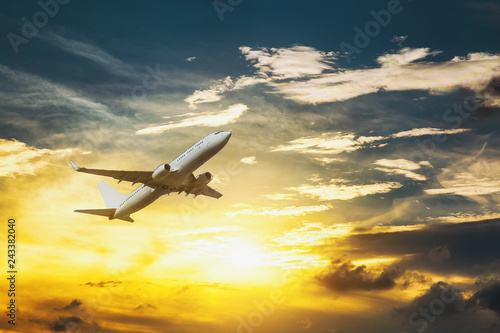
226,136
219,139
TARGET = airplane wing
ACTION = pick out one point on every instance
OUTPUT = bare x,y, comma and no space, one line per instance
128,176
210,192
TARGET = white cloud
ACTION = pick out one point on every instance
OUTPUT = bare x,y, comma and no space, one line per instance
286,211
470,178
327,143
307,75
319,82
326,192
428,131
405,56
247,81
249,160
17,158
369,139
399,164
478,56
280,196
209,119
191,59
311,234
324,161
212,94
88,51
34,92
402,167
315,178
406,173
338,142
468,217
281,63
271,64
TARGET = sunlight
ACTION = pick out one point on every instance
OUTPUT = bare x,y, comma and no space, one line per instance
245,256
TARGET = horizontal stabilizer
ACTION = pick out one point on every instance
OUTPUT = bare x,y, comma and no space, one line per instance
108,212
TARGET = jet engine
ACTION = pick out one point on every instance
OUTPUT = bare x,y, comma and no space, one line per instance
161,172
203,179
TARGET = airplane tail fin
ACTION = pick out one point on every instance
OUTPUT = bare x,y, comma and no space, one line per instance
108,212
112,198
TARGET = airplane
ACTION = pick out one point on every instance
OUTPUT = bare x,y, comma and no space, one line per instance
176,176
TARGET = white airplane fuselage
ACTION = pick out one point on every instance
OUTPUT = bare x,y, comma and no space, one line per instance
184,165
176,176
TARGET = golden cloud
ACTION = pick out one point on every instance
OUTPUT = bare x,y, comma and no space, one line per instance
17,158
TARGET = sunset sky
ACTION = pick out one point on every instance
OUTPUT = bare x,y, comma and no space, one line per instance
361,184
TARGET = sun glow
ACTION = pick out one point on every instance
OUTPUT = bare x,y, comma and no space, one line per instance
245,256
222,258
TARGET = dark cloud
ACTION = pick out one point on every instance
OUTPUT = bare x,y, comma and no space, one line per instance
491,96
442,297
444,308
487,297
444,304
411,277
64,324
493,86
439,253
103,284
146,307
73,305
469,249
344,276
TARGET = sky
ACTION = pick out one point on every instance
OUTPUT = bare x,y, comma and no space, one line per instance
360,185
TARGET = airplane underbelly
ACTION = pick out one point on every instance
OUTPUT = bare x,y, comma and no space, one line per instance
173,180
178,179
138,202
